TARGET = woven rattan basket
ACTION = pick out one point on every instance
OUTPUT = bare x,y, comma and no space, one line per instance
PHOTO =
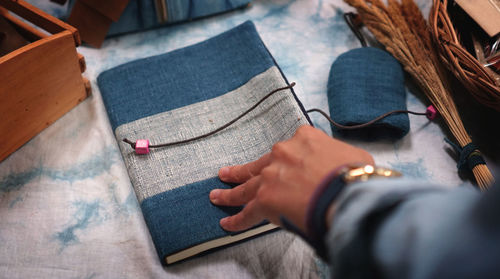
481,82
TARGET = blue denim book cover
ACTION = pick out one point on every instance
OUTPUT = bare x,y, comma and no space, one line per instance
183,94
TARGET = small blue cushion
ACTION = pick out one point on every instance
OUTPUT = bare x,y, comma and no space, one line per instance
365,83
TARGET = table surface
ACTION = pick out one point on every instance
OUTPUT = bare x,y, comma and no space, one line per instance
67,208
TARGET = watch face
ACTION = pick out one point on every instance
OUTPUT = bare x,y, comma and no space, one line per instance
363,173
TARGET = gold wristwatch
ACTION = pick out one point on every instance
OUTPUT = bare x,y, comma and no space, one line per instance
357,173
320,213
352,174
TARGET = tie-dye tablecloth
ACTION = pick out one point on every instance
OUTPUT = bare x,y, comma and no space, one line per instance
67,208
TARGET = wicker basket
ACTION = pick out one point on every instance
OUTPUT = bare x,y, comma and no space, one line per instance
480,81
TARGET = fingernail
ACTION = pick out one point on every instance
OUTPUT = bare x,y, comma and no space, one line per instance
214,195
223,221
224,172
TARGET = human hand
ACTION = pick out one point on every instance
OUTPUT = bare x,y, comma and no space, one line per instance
282,182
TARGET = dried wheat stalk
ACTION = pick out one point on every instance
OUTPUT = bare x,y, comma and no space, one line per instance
402,29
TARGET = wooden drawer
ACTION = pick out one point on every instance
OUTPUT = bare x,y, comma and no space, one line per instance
40,81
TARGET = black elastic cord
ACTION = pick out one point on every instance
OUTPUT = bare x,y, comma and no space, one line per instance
352,127
132,144
469,155
349,19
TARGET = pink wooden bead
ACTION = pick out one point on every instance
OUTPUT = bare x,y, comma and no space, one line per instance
142,146
431,112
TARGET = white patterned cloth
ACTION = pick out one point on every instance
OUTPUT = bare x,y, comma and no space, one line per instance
67,207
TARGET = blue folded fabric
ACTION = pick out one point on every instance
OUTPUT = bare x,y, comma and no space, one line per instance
142,14
363,84
185,93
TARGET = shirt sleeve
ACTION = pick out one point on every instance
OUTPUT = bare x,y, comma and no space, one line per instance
401,228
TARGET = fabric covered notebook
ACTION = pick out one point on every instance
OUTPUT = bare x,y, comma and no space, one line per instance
186,93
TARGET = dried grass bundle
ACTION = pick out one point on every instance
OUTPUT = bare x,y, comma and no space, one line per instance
402,29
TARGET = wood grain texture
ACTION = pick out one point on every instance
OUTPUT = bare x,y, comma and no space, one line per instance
28,31
10,38
82,63
39,18
88,88
38,84
93,26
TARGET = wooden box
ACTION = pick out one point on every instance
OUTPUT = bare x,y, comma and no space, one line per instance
40,81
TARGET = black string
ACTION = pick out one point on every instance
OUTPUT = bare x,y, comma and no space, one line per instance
340,126
469,155
221,127
349,19
352,127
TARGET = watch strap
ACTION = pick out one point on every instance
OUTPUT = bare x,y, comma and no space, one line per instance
329,189
322,199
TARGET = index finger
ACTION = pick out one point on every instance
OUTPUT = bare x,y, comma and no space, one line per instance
242,173
250,215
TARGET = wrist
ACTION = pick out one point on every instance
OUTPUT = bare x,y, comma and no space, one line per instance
322,206
323,197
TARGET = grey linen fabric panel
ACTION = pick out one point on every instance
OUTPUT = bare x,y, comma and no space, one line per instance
163,169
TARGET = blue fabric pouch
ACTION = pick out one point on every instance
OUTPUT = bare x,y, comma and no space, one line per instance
185,93
363,84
